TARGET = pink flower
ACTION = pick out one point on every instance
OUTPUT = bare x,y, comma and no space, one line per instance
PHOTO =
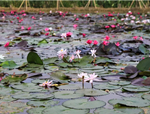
105,43
135,37
75,15
75,26
89,41
6,45
143,57
47,34
138,13
33,17
83,34
21,19
107,38
46,29
72,58
18,18
29,28
141,38
113,26
22,27
106,26
117,44
95,42
68,34
24,14
77,19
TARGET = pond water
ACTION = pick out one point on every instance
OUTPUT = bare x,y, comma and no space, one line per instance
38,47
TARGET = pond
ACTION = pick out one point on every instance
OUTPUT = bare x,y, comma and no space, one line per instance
61,62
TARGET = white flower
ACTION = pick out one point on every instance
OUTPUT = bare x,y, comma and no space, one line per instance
93,53
50,28
88,14
46,83
78,53
2,57
41,19
83,74
61,53
133,17
132,21
63,35
127,15
91,78
122,19
50,11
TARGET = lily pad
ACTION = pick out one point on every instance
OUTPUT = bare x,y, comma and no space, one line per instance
91,92
8,64
146,96
63,110
42,103
119,83
36,110
132,88
69,87
22,95
130,101
106,86
83,104
67,95
107,111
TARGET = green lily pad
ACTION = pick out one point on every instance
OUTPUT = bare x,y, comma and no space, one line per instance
69,87
8,64
132,88
63,110
144,64
50,60
42,103
106,86
22,95
83,104
7,91
146,96
130,101
119,111
67,95
37,81
36,110
119,83
34,58
44,41
43,96
91,92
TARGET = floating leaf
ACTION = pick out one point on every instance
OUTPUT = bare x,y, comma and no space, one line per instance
119,83
83,104
132,88
130,70
105,86
67,95
107,111
146,96
8,64
36,110
144,64
91,92
142,49
63,110
69,87
34,58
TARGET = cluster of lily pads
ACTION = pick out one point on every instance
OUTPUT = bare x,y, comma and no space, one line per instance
48,58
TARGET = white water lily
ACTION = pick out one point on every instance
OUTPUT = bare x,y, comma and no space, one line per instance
78,53
93,53
62,53
46,83
2,57
63,35
91,78
50,29
50,11
41,19
83,74
72,58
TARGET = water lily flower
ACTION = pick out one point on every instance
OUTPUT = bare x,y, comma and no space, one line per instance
106,26
22,27
24,14
63,35
46,83
127,15
117,44
68,34
83,74
132,21
105,43
3,18
72,58
62,53
50,11
2,57
89,41
75,26
141,38
50,29
77,19
33,17
135,37
46,34
6,45
91,78
113,26
46,29
78,53
75,15
29,28
83,34
93,53
107,38
18,18
95,42
40,19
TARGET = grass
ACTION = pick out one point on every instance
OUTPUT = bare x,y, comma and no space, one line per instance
81,9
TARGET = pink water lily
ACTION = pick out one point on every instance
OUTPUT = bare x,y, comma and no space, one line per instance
72,58
135,37
117,44
105,43
107,38
106,26
141,38
75,26
77,19
29,28
113,26
91,78
46,29
83,34
78,53
62,53
46,83
68,34
22,27
95,42
6,45
63,35
46,34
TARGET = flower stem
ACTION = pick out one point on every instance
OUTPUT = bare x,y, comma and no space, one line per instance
92,85
82,82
